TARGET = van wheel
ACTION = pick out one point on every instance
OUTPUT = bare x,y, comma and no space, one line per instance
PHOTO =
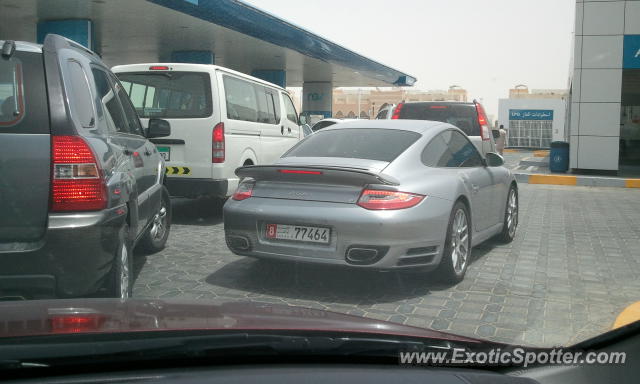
120,283
155,238
457,247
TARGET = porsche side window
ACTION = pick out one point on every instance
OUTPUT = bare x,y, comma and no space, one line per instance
463,151
451,149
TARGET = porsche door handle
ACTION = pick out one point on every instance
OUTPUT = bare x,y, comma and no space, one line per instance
474,188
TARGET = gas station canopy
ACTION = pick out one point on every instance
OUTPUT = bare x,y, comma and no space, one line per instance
231,33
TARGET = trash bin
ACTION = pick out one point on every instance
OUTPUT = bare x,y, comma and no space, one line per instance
559,156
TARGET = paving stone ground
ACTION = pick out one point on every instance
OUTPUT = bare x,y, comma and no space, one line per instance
574,266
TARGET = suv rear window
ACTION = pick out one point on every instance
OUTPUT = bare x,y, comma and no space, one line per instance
169,94
463,116
361,143
23,104
11,92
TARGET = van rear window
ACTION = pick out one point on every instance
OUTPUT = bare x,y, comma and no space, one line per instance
170,94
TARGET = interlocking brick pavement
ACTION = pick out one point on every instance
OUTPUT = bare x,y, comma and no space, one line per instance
574,265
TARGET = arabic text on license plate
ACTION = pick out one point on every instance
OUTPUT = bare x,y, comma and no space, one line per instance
165,152
298,233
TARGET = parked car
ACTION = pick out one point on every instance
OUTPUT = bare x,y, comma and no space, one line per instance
375,194
324,123
327,123
469,117
220,120
81,184
385,112
306,130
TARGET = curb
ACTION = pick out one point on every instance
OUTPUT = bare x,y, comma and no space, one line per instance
535,161
629,315
582,181
542,153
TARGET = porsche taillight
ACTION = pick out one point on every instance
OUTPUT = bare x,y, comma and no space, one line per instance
386,200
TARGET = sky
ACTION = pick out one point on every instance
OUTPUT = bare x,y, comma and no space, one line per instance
485,46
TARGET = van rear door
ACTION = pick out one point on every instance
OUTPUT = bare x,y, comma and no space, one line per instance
290,122
185,100
25,160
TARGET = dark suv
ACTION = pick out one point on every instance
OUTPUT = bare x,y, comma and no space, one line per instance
80,184
469,117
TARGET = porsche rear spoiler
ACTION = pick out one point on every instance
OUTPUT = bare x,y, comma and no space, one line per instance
315,174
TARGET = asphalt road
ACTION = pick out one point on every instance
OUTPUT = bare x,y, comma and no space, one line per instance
573,267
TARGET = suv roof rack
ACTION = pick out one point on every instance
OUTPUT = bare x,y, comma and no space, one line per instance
53,41
8,48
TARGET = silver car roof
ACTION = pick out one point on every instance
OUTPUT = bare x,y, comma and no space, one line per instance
419,126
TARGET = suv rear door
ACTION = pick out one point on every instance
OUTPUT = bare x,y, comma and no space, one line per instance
461,115
25,146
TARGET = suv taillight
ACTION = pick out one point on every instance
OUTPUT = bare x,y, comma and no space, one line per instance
217,144
385,200
77,183
396,111
483,122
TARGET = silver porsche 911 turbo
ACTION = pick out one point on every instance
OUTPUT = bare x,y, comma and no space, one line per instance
387,194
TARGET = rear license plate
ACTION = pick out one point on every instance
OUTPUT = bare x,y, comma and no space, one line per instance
298,233
165,152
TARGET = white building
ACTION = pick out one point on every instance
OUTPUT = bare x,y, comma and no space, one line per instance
532,123
604,113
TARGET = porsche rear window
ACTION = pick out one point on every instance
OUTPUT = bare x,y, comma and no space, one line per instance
361,143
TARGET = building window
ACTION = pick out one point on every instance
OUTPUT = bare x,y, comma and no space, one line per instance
530,128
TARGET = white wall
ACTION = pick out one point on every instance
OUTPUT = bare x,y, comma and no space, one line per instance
594,128
557,105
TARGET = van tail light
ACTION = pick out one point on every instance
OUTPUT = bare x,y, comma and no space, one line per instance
77,183
483,122
386,200
217,144
396,111
244,191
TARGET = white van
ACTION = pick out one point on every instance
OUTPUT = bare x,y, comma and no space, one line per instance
220,120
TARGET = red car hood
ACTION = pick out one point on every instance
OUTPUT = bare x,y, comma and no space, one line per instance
44,317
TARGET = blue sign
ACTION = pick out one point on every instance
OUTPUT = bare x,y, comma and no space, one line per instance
78,30
631,55
530,114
